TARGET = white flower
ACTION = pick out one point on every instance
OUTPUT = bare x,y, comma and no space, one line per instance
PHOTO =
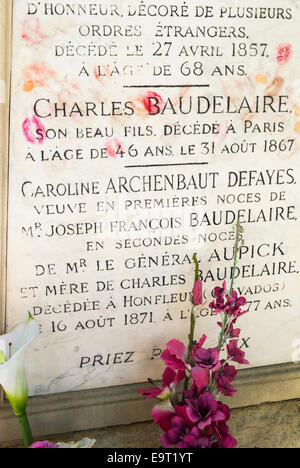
13,348
82,444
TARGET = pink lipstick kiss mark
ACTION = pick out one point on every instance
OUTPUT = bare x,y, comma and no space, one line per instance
284,53
101,78
32,31
34,131
114,148
152,101
38,74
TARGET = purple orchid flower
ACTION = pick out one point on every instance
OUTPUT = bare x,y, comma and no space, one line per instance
208,358
182,433
235,353
222,438
43,445
230,304
204,410
224,378
195,439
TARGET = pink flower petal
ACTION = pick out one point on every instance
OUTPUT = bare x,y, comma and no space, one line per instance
200,378
169,377
43,445
177,348
151,392
162,418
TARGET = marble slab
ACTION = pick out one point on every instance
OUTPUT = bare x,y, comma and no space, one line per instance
140,132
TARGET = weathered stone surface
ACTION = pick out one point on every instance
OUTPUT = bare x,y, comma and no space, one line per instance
275,425
66,202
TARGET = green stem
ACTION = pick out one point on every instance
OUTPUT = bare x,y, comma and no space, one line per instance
238,239
25,430
191,341
221,336
196,267
192,332
233,274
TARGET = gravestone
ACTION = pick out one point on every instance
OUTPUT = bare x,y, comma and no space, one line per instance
140,132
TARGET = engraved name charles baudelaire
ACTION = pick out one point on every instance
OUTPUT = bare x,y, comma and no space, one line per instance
198,105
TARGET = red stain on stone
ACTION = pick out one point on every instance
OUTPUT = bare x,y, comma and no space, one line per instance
101,78
114,148
222,132
32,31
39,74
152,102
275,86
34,131
284,53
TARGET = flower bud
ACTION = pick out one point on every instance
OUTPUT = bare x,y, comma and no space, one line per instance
197,293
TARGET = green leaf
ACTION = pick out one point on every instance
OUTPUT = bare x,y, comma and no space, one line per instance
2,358
30,316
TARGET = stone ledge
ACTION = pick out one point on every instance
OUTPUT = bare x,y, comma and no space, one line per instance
100,408
271,425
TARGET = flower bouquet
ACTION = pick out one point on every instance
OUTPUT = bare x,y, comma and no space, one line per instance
188,409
